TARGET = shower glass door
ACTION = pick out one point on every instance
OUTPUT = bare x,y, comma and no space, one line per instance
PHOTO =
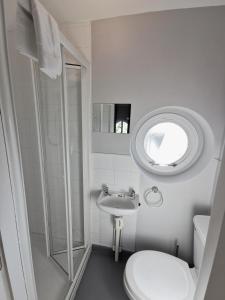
74,109
59,110
51,124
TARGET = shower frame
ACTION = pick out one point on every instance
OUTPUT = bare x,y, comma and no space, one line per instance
13,149
86,137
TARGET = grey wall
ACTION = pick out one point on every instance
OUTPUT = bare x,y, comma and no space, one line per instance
159,59
153,60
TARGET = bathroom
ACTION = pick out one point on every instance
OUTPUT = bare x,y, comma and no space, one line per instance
113,166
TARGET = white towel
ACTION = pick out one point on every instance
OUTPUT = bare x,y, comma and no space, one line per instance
47,40
25,34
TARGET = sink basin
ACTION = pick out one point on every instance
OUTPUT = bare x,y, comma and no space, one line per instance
118,204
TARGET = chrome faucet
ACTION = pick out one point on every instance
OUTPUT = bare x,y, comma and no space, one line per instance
105,189
131,193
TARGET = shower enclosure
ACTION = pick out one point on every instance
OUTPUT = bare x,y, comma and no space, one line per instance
54,129
47,129
59,112
59,122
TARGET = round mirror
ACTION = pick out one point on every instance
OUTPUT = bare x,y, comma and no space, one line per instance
166,143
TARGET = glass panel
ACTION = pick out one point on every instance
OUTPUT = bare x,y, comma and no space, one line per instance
73,76
51,119
166,143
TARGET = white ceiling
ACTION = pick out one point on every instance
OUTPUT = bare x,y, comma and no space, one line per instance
72,11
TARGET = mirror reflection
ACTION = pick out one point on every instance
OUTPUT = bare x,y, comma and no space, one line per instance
111,118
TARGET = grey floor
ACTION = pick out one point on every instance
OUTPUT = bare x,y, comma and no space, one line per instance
103,278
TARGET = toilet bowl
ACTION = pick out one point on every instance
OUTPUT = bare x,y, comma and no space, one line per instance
154,275
159,276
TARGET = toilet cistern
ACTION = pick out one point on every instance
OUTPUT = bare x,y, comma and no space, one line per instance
118,204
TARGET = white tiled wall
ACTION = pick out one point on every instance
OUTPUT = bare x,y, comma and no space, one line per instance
119,172
151,228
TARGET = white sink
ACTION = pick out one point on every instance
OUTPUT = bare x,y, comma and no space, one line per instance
118,204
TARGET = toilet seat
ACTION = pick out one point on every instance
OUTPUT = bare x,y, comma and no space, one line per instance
153,275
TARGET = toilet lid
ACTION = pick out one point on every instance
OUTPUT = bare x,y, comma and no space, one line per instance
153,275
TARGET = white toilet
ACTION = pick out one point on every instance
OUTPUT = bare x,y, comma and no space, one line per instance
153,275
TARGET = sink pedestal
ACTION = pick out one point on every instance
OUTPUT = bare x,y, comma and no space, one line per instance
117,230
118,205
